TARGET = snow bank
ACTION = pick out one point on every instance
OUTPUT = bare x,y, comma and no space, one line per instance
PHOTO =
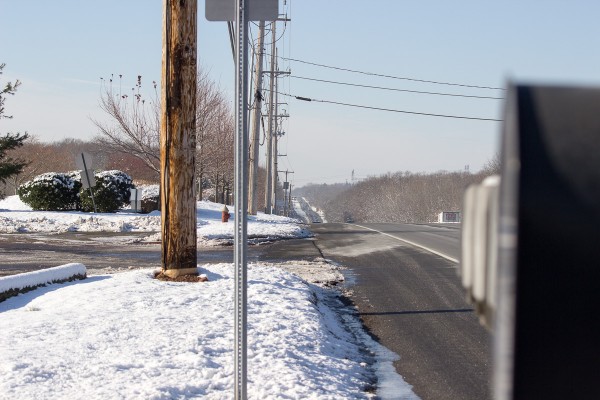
128,336
299,211
11,285
13,203
149,191
15,217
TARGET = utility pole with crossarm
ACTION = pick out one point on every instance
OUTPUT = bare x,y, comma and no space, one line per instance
256,119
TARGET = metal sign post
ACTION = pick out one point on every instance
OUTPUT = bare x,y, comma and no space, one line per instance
241,200
241,11
84,163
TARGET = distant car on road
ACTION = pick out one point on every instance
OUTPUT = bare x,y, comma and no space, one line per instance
348,218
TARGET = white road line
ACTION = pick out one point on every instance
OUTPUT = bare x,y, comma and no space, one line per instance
447,257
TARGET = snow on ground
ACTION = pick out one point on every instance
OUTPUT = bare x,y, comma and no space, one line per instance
128,335
261,227
41,277
299,211
16,217
307,213
320,213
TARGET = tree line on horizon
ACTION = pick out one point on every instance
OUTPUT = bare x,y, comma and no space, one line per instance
401,197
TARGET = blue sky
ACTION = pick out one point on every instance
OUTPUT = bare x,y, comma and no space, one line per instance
60,49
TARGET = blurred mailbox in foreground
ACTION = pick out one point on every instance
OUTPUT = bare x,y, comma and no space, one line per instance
531,250
479,246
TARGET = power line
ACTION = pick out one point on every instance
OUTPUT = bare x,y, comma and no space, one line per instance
389,109
269,29
394,89
391,76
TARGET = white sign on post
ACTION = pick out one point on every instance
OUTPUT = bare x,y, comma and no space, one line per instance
87,180
84,162
257,10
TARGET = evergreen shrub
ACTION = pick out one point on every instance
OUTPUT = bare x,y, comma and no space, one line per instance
51,191
111,192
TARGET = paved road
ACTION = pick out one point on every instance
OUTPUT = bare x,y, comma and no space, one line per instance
99,252
440,239
412,302
408,298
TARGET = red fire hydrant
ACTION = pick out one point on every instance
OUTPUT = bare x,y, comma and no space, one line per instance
225,214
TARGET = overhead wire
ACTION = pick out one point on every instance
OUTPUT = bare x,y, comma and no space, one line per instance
280,37
391,76
394,89
231,31
389,109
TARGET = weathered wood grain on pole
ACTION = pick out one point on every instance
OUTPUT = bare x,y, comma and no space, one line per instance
275,135
178,137
270,132
256,116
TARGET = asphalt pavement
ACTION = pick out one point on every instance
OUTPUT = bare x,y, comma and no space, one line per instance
412,302
100,252
439,239
409,298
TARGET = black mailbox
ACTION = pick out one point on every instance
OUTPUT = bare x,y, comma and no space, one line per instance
547,327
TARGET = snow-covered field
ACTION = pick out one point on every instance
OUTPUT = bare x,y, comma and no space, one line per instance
128,336
16,217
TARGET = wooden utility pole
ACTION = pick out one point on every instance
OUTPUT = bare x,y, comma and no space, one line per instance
178,138
289,199
256,115
286,192
274,139
270,133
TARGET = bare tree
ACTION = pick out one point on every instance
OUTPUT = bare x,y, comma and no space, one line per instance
133,130
220,160
134,125
131,165
399,197
33,152
51,157
211,109
492,166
